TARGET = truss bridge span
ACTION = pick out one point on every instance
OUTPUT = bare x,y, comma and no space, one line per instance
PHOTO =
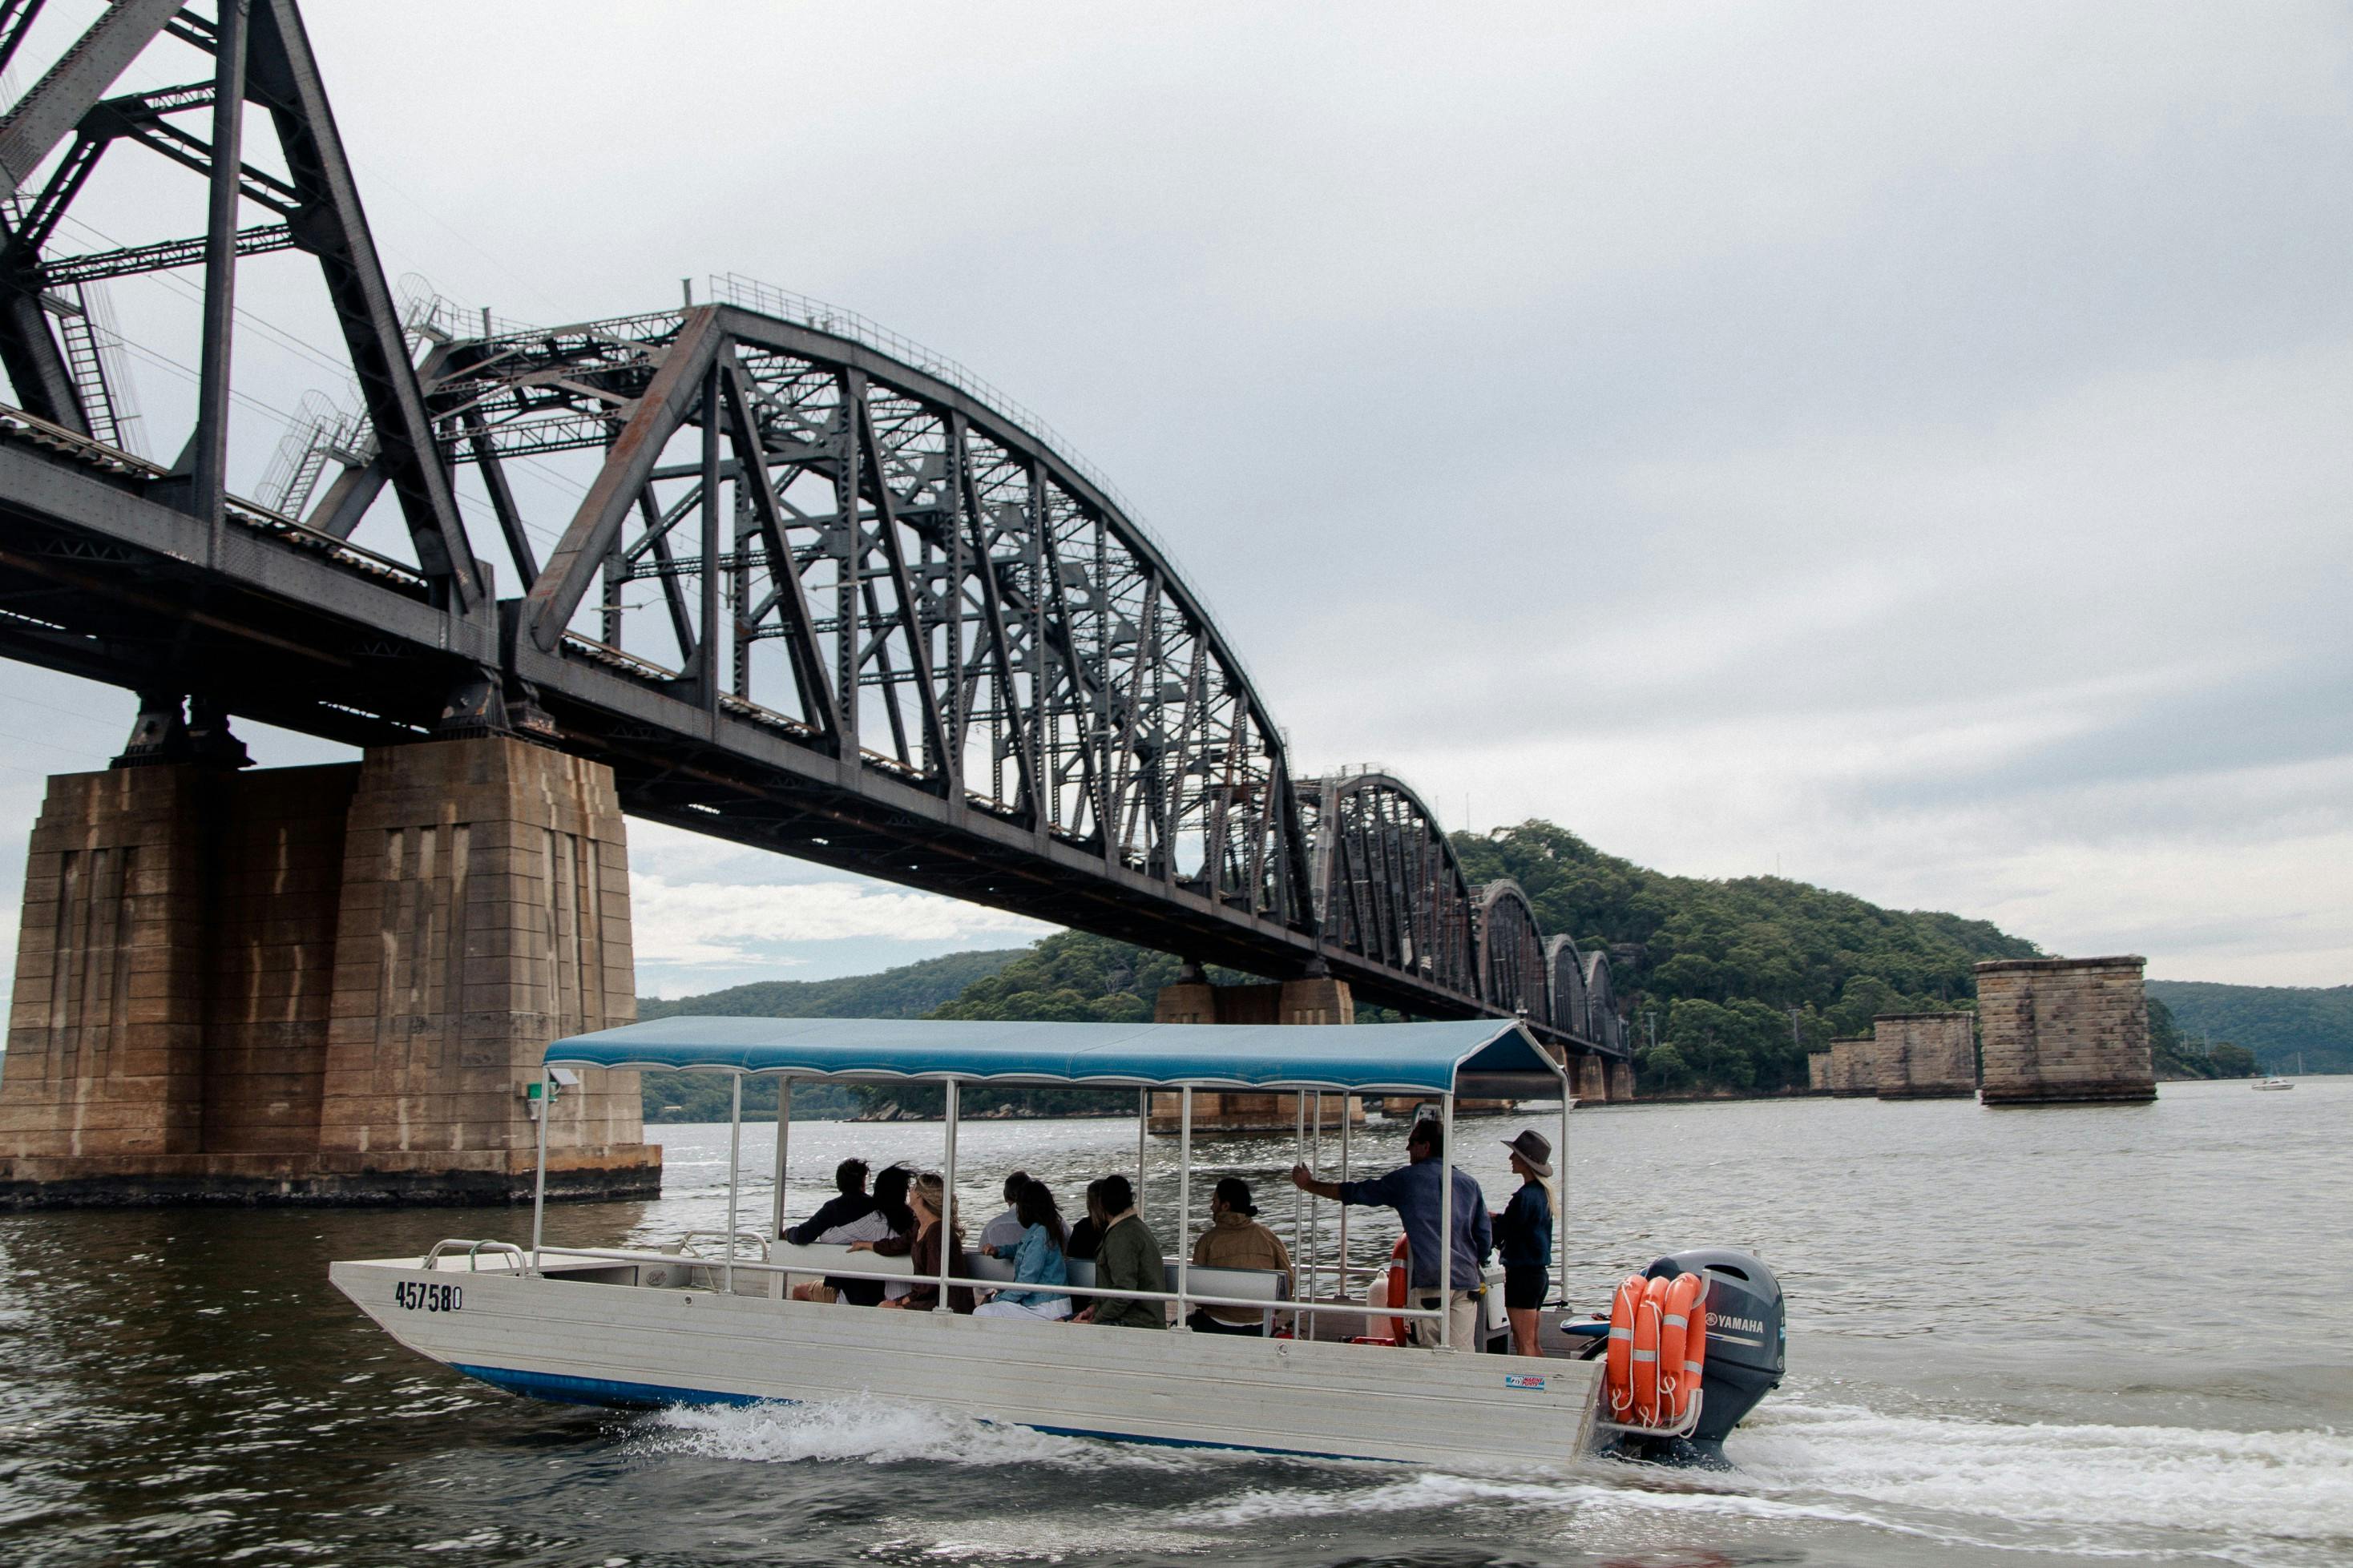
799,584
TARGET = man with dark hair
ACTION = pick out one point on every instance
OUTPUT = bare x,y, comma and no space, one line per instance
850,1205
853,1216
1235,1239
1006,1229
1413,1190
1127,1259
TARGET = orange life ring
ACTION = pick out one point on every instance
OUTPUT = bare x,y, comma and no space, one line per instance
1650,1321
1397,1289
1618,1367
1686,1322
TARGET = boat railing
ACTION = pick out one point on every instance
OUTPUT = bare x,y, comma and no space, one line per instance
521,1261
759,1243
900,1275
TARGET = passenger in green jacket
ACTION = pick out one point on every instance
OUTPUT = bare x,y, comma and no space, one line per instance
1127,1259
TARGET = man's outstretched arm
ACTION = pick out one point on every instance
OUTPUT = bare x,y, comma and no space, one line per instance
1306,1183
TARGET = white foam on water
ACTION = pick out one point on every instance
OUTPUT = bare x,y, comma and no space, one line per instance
1034,1541
1440,1490
880,1431
2255,1498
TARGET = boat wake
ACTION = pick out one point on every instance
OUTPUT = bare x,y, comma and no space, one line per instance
2267,1500
880,1432
1832,1472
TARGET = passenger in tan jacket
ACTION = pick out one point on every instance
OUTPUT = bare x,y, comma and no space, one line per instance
1235,1239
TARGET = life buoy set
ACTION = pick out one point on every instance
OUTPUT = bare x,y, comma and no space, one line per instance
1658,1349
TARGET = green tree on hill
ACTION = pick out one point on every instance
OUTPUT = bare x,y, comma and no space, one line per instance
1742,977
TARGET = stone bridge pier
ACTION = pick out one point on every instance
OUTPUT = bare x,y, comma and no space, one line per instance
323,984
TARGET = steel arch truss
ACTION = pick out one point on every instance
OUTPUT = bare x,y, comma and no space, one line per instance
1565,970
1390,887
876,565
1512,953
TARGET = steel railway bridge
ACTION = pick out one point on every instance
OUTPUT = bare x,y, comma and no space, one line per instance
811,589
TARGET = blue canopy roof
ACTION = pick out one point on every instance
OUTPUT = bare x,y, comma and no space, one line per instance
1428,1058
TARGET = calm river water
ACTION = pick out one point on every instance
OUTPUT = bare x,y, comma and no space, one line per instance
2016,1337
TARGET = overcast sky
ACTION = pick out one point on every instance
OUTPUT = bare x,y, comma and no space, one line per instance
1902,447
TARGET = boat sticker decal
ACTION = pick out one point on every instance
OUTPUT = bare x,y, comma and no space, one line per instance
1524,1380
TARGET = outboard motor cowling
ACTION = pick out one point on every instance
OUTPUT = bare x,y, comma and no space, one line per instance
1747,1338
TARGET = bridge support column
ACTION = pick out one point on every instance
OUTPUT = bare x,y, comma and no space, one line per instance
1854,1066
201,954
1591,1083
1927,1056
2062,1031
1316,1000
485,913
1621,1081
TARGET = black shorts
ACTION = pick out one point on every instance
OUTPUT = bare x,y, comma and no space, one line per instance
1524,1288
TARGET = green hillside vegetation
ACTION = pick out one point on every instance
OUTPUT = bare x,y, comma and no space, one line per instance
2180,1055
1726,984
2273,1021
1718,968
910,991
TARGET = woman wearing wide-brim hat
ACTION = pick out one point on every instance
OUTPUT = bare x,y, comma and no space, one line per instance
1524,1235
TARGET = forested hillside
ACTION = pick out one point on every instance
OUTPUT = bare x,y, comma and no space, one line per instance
1718,967
910,991
2275,1022
1739,978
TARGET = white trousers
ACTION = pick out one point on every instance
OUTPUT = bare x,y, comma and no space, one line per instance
1053,1312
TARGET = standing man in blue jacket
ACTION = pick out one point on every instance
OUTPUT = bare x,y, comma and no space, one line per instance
1413,1190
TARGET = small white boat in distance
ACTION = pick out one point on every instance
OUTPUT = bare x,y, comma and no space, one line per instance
627,1327
2275,1083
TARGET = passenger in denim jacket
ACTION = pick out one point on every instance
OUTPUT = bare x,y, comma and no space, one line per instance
1038,1260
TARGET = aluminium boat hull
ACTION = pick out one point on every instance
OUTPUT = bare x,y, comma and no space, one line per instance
625,1344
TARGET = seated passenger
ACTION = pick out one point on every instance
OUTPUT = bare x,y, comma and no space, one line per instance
928,1197
1235,1239
1087,1235
888,1216
1086,1239
840,1218
1127,1259
1038,1260
850,1203
1006,1229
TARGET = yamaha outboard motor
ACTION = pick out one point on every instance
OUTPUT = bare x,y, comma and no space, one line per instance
1747,1340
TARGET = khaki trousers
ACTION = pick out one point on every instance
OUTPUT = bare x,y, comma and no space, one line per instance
1462,1324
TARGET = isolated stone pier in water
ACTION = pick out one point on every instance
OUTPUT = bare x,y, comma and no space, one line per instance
2064,1031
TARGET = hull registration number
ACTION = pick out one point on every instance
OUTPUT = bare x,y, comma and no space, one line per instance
421,1295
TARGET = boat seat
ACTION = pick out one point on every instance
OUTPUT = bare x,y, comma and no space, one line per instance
825,1256
1268,1285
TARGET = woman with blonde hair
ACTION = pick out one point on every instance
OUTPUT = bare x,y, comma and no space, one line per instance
935,1228
1524,1236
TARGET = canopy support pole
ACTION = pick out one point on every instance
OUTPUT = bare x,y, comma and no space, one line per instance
539,1187
1143,1143
783,1154
1560,1191
1314,1206
1301,1202
946,1220
734,1170
1446,1229
1184,1202
1346,1102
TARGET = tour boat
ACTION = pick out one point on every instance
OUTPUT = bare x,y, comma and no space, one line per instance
704,1322
2275,1083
